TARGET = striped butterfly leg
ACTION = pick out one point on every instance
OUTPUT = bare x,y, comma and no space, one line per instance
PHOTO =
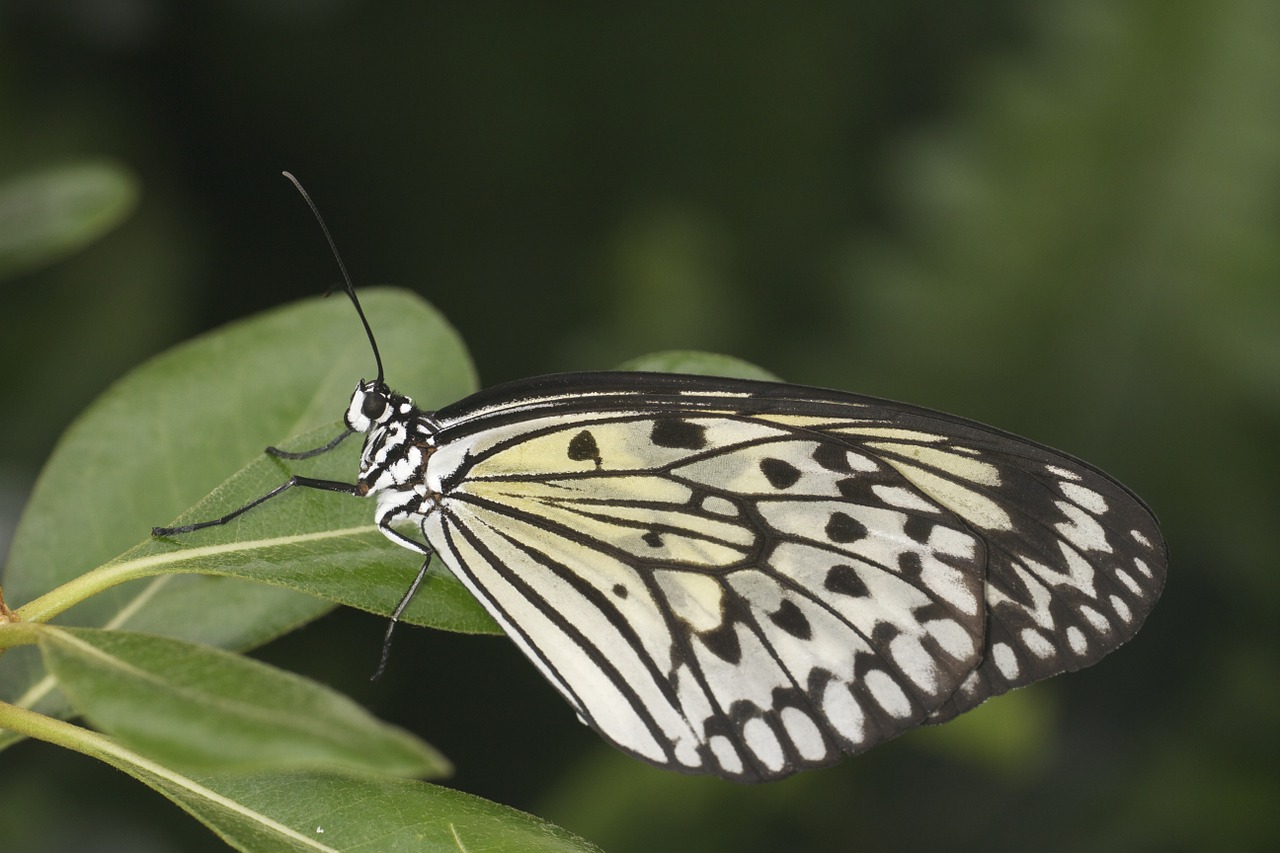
315,451
427,552
301,482
304,482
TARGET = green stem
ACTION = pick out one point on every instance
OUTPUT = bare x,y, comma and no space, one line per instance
19,634
85,586
31,724
170,562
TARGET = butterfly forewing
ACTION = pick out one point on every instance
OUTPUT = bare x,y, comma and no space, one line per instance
746,578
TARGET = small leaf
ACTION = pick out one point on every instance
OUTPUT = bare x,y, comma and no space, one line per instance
194,706
46,215
699,363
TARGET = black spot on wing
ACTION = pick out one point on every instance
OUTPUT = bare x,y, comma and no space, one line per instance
909,564
859,489
674,432
723,643
583,448
780,473
653,539
918,528
844,580
842,527
619,590
791,619
832,457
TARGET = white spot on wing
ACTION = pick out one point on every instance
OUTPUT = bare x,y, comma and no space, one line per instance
1006,660
1064,473
949,540
1140,538
1096,619
1142,566
762,740
1037,644
858,462
686,752
887,693
1122,609
1087,498
904,498
843,712
913,660
1127,580
1076,638
719,505
1081,529
804,733
953,638
726,754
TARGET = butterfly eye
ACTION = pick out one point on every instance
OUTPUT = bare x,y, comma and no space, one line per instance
373,406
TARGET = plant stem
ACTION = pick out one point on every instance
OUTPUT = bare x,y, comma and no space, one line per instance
18,634
78,589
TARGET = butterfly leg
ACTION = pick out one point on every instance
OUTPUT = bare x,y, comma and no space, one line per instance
303,482
425,550
307,454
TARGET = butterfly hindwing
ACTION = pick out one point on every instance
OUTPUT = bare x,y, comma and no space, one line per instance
748,578
1074,560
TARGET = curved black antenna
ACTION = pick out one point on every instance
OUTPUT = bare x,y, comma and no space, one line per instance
346,279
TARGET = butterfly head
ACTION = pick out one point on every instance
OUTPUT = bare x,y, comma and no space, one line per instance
373,404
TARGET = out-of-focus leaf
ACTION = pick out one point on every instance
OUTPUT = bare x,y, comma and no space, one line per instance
46,215
700,363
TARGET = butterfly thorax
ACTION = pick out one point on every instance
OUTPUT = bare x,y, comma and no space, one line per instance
399,438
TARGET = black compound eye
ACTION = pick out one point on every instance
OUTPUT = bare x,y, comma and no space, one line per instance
373,406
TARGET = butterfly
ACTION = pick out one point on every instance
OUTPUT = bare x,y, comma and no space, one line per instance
746,578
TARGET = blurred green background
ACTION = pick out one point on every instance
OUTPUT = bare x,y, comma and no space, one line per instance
1061,218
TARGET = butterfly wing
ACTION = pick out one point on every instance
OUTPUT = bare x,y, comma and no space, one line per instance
747,579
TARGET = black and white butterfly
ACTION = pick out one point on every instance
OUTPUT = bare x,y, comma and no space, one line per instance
749,578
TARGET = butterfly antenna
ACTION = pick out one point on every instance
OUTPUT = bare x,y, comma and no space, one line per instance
346,279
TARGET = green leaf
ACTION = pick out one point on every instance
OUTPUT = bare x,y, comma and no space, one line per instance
46,215
699,363
194,706
168,433
316,810
391,815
